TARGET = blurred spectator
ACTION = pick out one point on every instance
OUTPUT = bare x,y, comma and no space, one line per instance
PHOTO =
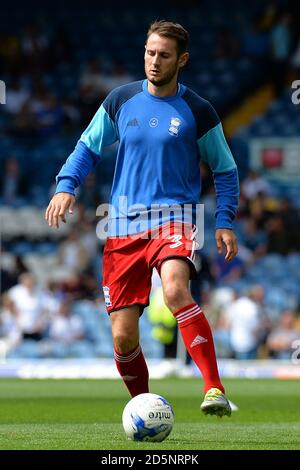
51,296
164,325
291,220
254,239
89,240
118,77
255,184
262,208
93,89
90,285
35,45
280,340
20,266
31,310
7,280
89,194
24,123
65,327
71,115
222,338
39,93
81,286
295,60
204,276
281,47
279,238
49,118
67,335
255,42
12,183
93,82
226,273
72,253
220,299
11,272
246,322
10,332
16,96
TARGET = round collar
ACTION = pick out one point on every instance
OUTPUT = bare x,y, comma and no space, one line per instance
180,91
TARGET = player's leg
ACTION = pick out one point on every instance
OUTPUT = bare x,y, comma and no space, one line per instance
128,354
125,328
126,286
195,331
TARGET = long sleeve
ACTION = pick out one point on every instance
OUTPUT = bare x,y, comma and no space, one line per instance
100,133
77,167
215,151
227,193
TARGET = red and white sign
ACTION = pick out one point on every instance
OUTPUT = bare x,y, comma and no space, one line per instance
276,158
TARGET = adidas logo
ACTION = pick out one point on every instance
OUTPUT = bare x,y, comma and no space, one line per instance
198,340
134,122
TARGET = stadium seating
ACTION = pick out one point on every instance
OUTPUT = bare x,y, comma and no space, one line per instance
280,120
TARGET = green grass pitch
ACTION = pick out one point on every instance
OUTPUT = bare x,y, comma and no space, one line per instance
86,414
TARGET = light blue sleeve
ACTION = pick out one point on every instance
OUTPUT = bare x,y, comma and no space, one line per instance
214,150
100,132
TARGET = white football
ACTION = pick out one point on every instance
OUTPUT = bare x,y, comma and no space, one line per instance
148,417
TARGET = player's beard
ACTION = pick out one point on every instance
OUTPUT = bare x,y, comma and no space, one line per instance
165,79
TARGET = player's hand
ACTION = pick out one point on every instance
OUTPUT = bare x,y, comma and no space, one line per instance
226,236
59,204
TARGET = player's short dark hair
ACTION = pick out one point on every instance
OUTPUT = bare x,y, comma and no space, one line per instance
172,30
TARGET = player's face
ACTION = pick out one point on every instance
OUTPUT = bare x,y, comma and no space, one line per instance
161,60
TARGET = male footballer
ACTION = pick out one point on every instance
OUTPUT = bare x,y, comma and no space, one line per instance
164,130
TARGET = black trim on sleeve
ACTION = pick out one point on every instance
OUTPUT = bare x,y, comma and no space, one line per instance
119,96
204,113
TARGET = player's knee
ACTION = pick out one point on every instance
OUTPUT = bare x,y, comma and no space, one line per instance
176,297
124,342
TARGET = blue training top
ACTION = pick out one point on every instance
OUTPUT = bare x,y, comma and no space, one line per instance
161,143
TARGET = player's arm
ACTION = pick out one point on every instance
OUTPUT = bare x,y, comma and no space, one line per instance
100,133
215,151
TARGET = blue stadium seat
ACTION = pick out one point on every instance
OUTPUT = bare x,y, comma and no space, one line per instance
272,262
46,248
22,248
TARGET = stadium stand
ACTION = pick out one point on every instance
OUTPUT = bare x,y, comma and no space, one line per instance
57,69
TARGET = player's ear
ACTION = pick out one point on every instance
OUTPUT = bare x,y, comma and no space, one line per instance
183,59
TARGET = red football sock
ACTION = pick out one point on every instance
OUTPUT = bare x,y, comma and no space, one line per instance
133,370
198,339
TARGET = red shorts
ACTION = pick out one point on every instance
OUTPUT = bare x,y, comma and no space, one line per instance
128,262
